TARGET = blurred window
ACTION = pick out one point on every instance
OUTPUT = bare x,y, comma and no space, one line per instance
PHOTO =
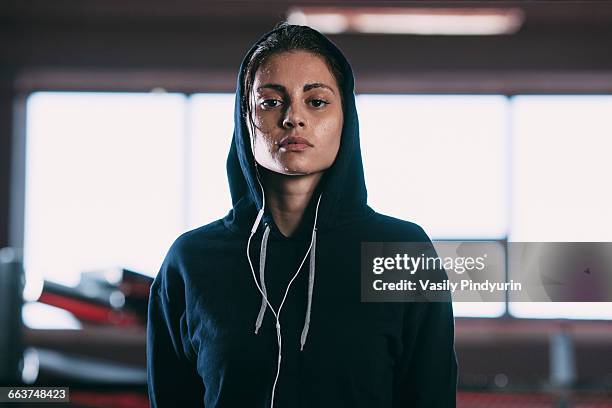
439,161
104,181
113,178
211,125
561,182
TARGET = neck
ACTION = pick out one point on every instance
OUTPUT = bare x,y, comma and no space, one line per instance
288,197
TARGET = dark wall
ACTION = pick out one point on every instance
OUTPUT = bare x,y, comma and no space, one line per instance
6,136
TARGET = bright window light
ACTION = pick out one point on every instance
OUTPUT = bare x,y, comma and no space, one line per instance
104,182
561,169
439,161
478,309
211,124
40,316
560,183
562,310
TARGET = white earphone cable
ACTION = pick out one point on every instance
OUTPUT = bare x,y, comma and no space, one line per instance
277,314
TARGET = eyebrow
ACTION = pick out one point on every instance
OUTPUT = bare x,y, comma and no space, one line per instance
306,88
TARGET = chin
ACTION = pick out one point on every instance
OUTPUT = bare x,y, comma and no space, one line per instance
295,167
295,171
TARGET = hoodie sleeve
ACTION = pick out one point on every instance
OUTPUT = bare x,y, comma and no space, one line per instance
173,380
427,372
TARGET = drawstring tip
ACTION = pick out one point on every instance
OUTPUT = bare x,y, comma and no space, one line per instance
302,342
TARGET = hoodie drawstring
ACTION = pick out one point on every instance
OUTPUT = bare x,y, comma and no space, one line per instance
262,290
311,276
262,282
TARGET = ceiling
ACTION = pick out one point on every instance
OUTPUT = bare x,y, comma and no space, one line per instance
564,46
537,12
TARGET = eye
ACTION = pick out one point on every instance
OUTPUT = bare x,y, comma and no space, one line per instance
270,103
318,103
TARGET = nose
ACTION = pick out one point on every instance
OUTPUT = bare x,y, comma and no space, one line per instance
293,117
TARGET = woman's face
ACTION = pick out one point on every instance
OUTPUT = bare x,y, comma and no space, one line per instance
297,112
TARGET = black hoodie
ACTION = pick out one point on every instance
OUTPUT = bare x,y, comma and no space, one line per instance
205,308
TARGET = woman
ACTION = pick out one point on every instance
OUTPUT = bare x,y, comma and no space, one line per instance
236,316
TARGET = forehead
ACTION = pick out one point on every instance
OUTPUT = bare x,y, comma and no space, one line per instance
294,67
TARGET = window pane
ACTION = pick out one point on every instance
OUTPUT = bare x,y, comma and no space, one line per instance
104,183
562,310
211,129
561,168
478,309
439,161
561,182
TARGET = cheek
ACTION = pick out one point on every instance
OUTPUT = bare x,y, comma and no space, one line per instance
329,132
265,121
264,129
263,141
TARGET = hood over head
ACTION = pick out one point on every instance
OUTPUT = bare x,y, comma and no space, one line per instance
340,196
344,194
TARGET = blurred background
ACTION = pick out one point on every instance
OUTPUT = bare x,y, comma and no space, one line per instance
116,120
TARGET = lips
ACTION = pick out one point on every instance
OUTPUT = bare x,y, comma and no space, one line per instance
297,140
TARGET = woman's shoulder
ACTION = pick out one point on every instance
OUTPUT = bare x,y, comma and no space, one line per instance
199,238
213,230
189,249
397,229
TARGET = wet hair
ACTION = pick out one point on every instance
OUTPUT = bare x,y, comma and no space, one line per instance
288,37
